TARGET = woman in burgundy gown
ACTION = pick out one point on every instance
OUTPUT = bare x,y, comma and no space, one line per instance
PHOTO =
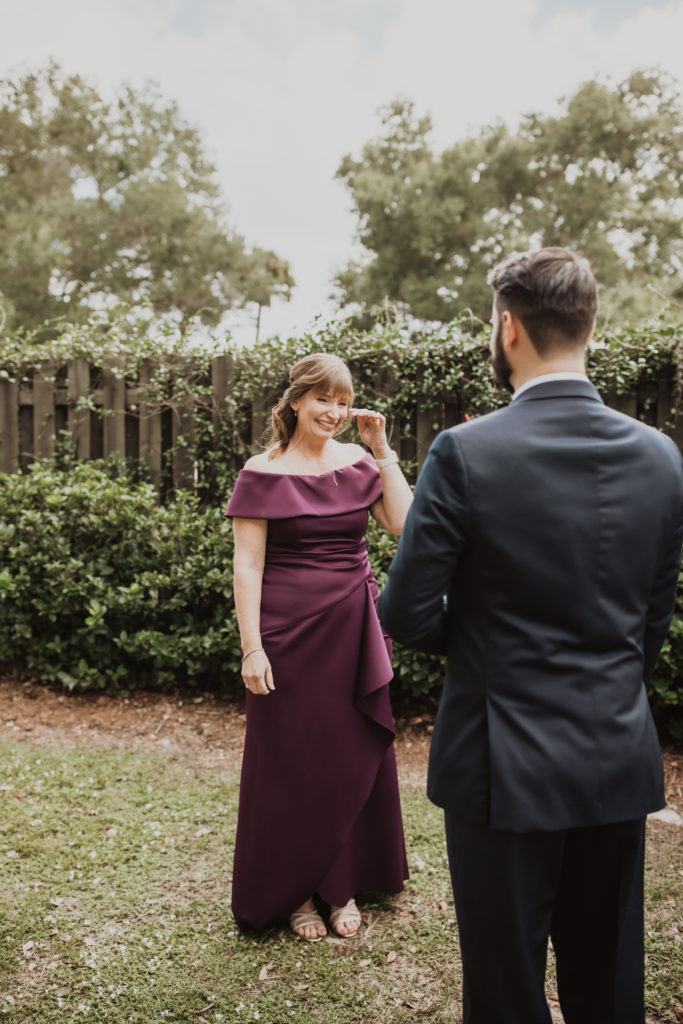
319,810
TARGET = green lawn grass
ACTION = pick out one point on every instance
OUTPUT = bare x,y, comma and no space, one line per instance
114,906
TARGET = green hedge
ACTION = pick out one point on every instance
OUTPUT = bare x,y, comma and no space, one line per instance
102,587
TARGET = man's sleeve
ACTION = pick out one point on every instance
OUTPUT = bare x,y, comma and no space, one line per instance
663,594
411,606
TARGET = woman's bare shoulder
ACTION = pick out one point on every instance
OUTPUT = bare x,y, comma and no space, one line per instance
350,452
260,463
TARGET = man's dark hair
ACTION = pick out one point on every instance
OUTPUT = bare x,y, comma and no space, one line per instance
553,293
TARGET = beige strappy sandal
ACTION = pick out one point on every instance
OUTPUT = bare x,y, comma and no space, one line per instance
350,914
303,919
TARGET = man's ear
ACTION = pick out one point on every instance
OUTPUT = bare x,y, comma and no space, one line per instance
510,331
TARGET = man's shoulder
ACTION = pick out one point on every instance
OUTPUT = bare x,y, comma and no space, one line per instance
479,426
501,429
648,435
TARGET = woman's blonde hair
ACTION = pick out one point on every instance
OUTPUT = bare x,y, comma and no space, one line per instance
320,371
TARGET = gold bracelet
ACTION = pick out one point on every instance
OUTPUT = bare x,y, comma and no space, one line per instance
252,651
390,460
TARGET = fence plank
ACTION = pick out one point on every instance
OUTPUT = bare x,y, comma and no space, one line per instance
29,416
677,432
665,406
624,403
78,420
113,409
427,429
183,444
150,427
43,411
260,415
9,426
451,414
222,377
407,431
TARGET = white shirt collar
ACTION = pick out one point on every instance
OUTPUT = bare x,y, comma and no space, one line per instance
544,377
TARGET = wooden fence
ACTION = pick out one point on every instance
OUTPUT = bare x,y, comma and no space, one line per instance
107,414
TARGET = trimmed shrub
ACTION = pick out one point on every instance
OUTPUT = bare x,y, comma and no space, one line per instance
416,675
666,688
102,587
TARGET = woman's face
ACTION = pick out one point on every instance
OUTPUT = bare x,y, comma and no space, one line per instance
320,414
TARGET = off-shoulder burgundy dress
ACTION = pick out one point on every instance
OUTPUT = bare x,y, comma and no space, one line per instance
319,807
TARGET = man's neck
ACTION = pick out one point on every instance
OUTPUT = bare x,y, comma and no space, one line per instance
547,367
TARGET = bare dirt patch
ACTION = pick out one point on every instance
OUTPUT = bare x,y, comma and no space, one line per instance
201,728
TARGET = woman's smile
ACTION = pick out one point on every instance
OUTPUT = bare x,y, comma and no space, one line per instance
325,411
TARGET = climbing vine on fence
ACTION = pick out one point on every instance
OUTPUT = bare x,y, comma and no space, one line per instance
397,371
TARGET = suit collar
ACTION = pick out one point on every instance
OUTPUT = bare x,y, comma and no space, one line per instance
560,388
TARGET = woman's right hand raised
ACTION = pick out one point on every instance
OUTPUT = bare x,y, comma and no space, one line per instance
257,674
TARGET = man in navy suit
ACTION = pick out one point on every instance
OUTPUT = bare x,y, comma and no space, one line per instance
541,554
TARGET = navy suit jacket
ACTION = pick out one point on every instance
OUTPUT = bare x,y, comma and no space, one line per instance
553,528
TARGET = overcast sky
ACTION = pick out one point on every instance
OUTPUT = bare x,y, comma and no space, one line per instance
282,89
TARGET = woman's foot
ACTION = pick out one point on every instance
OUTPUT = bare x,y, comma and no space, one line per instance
345,920
307,923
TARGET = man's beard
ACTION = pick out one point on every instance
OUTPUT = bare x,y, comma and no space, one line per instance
502,371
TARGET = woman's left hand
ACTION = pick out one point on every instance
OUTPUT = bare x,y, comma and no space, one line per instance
372,427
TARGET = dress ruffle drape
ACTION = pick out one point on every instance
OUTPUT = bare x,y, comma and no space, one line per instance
319,808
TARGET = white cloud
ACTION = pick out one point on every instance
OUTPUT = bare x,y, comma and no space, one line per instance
282,91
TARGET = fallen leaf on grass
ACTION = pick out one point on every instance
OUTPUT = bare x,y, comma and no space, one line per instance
365,963
391,956
28,947
263,973
442,905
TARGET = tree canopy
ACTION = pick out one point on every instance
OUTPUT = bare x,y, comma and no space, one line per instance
115,201
602,176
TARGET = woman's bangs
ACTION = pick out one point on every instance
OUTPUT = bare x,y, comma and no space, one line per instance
336,382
